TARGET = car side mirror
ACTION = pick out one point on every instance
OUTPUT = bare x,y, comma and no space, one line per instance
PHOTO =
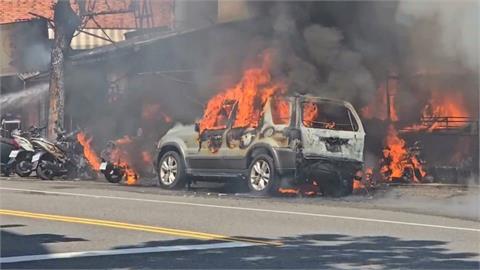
197,127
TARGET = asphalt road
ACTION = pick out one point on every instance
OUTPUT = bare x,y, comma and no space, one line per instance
89,224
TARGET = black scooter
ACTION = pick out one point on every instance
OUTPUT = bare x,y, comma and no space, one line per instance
7,145
61,158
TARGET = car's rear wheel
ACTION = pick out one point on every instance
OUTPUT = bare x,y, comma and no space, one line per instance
171,171
261,175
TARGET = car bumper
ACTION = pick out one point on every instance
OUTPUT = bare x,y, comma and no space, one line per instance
292,163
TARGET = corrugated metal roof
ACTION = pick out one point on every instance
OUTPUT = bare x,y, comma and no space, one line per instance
137,42
83,41
134,42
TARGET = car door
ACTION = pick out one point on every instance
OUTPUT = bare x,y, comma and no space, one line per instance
212,144
275,117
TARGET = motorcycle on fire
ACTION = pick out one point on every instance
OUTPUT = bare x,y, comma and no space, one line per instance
21,159
112,172
61,158
411,165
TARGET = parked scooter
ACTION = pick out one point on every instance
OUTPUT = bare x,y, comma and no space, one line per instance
21,159
7,145
62,158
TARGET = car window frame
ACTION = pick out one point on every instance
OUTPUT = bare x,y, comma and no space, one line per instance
354,127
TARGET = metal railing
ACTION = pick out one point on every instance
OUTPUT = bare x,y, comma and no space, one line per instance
450,124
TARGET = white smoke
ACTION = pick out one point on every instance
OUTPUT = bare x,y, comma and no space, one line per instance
25,97
452,27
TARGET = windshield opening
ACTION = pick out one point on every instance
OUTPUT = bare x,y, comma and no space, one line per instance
224,115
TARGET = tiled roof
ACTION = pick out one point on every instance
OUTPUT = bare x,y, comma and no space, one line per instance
17,10
161,11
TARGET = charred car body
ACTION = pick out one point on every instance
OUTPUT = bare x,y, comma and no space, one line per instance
297,139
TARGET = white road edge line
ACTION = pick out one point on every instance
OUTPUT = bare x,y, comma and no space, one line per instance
66,255
251,209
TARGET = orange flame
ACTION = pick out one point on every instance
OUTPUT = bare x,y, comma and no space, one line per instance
288,191
310,113
119,157
281,111
358,185
445,105
250,93
131,175
398,158
88,152
396,151
445,109
306,189
330,125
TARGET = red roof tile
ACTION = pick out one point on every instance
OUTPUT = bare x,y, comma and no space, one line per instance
161,11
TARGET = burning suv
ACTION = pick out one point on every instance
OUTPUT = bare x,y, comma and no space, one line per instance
297,139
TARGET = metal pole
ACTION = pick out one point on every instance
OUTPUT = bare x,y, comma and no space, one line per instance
389,119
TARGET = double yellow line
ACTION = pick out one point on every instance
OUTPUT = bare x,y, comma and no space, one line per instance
135,227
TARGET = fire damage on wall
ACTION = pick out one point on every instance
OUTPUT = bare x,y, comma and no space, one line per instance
419,111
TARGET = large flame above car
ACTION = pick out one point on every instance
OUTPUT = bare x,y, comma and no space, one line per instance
250,94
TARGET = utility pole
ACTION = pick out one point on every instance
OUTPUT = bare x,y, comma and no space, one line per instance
66,22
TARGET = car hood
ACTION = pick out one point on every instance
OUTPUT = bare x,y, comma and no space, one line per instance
177,133
181,130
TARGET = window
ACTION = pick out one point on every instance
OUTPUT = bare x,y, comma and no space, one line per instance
325,115
281,110
223,115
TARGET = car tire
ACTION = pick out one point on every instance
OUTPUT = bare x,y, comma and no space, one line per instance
261,175
171,171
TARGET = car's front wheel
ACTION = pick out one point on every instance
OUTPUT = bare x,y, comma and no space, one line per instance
171,171
261,175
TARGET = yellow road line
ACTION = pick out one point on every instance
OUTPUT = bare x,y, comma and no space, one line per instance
136,227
